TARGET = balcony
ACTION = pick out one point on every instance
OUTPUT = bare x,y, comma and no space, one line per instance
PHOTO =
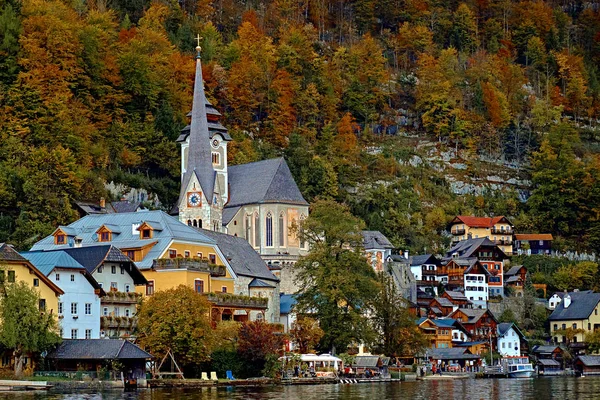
457,232
503,242
114,297
496,231
237,301
112,322
190,264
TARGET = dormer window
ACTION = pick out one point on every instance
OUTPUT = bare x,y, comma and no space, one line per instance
147,230
146,233
105,236
61,239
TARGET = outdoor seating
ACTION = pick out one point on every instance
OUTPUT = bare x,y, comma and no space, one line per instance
213,376
229,375
204,376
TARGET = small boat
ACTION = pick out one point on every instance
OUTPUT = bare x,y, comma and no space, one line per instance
517,367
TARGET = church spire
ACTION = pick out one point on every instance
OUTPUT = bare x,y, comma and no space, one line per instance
199,154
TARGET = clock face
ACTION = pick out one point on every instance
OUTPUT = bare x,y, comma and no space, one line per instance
194,199
215,142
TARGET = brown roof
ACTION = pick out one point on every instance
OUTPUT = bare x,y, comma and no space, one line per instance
534,236
479,222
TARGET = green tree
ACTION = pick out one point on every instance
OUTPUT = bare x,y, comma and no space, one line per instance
24,329
337,284
393,321
178,320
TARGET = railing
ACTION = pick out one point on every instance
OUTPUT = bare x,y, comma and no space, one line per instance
457,231
503,242
237,301
193,264
81,375
121,297
118,322
501,231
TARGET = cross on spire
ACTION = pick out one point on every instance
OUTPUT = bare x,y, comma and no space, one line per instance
198,38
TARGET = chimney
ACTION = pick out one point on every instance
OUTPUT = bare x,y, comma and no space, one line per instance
567,301
406,254
77,241
102,202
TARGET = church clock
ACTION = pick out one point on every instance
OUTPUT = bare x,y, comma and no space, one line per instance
194,199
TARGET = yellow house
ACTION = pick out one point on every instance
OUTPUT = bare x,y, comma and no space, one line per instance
15,268
498,229
170,253
574,317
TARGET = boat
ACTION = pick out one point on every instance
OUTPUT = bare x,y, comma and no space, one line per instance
517,367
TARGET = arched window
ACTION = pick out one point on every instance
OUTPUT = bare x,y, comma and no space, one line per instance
189,222
281,229
302,242
195,224
269,230
199,223
256,230
248,229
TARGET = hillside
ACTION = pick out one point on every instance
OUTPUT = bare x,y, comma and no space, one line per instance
408,111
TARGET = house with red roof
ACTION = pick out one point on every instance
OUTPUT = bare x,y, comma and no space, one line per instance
498,229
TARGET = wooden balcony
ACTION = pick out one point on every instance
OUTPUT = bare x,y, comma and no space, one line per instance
112,322
121,298
457,232
191,264
496,231
227,300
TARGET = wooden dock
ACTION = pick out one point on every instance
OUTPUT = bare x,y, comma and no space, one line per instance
13,385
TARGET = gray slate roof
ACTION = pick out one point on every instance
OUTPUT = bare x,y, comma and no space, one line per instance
98,349
424,259
548,362
513,270
452,353
504,327
244,260
259,284
467,248
366,361
456,295
543,349
125,206
581,307
444,302
86,228
268,181
375,240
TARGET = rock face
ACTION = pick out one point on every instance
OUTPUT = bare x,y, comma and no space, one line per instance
471,174
133,195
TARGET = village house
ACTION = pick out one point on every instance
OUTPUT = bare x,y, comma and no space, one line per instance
533,243
549,359
476,284
497,229
79,287
425,270
442,307
118,276
510,339
458,355
515,278
587,365
377,248
437,331
457,298
258,201
480,323
485,252
578,311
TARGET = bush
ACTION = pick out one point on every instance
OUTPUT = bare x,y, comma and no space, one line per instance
226,360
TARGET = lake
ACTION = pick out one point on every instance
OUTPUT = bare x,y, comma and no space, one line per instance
536,388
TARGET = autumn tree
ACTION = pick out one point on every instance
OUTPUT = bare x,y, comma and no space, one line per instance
178,320
24,330
306,334
336,282
258,342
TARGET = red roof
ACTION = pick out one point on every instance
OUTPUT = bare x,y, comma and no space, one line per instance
534,236
479,222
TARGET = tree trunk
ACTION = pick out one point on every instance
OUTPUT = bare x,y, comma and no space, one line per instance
19,358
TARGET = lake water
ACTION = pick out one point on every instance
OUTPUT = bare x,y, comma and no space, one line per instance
536,388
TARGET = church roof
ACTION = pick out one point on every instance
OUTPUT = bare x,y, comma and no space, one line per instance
244,260
199,161
268,181
214,128
86,227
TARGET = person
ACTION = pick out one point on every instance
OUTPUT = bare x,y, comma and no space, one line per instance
368,373
440,371
434,369
423,371
296,371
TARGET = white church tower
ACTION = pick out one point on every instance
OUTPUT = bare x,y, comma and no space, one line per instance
204,183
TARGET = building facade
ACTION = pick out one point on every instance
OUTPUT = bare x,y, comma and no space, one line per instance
577,313
497,229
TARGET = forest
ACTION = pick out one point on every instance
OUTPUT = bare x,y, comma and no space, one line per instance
96,91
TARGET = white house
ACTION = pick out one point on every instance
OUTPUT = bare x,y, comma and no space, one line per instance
377,248
509,339
79,306
555,300
476,284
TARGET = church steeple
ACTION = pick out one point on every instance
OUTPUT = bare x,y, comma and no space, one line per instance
199,161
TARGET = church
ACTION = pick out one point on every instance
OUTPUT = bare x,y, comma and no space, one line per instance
257,201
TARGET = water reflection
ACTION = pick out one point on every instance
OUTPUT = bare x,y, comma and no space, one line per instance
493,389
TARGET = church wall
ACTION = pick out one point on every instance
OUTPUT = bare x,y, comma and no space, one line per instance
287,279
210,215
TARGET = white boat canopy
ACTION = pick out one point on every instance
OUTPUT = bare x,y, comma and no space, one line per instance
322,360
